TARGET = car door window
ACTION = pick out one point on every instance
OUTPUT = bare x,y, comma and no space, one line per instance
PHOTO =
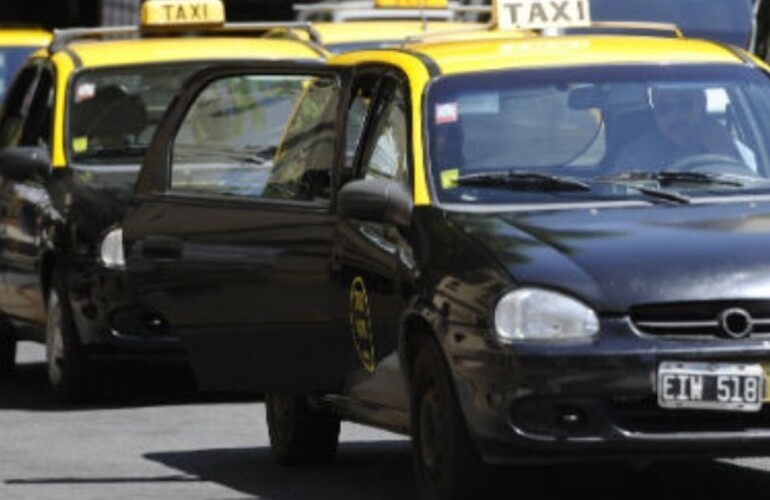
305,158
17,104
385,153
362,98
258,136
37,127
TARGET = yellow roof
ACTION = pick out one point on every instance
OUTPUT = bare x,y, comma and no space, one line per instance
487,55
361,31
160,50
17,37
394,31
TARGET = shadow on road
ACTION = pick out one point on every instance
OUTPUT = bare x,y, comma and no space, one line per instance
117,387
372,470
664,480
381,470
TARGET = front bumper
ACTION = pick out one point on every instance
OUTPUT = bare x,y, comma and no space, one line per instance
529,403
113,327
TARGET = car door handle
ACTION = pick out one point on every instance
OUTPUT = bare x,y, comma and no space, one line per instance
162,247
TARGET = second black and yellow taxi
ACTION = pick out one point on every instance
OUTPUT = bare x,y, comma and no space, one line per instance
77,121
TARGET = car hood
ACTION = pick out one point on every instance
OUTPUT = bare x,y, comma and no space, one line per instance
614,258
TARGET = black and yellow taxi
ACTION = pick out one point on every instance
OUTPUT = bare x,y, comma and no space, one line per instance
78,119
16,44
516,250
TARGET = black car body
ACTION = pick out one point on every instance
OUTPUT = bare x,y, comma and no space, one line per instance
453,242
61,191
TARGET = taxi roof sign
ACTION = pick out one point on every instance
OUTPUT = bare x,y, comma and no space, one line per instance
411,4
182,13
541,14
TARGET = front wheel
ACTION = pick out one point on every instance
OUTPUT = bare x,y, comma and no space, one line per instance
299,432
446,463
66,364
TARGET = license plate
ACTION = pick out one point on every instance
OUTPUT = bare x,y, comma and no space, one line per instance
711,386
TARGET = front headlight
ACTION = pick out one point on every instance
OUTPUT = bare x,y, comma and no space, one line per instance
111,249
538,314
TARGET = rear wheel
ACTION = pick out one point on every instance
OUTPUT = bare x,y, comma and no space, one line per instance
66,364
299,432
446,463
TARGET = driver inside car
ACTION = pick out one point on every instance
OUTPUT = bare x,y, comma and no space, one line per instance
682,129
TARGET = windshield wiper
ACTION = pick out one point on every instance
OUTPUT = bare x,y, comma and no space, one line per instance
661,193
513,179
667,177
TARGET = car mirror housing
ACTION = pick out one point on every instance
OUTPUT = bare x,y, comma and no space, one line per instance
376,200
25,163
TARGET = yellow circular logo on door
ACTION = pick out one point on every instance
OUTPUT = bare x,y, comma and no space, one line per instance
361,323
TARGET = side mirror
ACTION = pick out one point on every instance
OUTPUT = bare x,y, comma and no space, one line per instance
377,200
22,163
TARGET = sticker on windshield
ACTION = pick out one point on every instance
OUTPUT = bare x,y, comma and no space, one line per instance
487,103
361,323
80,144
85,91
448,112
449,178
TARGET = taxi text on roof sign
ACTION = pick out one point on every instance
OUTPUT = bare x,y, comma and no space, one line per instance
411,4
165,13
538,14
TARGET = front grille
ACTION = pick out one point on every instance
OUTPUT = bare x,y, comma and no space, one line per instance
646,416
699,319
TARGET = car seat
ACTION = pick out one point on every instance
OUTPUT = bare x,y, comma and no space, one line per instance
112,113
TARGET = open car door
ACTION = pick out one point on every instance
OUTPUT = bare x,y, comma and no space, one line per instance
228,239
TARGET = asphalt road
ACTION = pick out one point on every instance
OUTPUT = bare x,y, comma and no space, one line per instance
155,437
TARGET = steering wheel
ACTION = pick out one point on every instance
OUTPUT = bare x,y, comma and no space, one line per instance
712,163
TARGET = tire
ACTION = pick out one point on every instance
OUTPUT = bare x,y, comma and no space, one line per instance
7,351
67,367
446,464
300,433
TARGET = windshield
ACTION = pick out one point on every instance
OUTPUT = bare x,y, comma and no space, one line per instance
11,59
728,21
113,112
603,132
